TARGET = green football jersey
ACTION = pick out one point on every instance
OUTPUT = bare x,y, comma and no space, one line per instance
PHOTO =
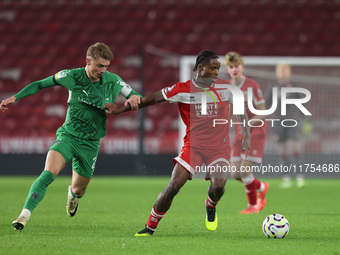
86,117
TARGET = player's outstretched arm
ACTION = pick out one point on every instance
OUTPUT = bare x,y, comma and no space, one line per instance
30,89
154,98
6,102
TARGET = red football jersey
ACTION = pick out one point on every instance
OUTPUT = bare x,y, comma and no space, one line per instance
258,98
200,108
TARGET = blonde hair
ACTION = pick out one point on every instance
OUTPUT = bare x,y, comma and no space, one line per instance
233,57
99,50
283,70
283,64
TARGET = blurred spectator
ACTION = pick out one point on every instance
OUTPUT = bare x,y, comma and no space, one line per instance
287,137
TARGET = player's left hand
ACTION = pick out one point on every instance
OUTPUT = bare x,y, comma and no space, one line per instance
133,101
112,109
6,102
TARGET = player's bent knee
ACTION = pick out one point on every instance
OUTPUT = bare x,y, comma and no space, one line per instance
218,184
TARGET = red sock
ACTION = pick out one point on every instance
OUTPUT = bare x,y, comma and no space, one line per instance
257,184
296,157
211,204
154,218
251,190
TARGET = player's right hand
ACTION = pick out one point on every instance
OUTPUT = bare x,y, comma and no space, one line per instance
6,102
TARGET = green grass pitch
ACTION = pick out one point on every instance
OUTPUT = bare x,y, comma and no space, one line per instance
115,208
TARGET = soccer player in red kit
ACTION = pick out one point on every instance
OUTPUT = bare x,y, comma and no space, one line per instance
201,101
258,130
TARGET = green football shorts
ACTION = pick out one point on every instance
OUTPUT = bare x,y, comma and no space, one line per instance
83,152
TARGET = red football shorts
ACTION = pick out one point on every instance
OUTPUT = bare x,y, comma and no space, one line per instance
192,160
257,142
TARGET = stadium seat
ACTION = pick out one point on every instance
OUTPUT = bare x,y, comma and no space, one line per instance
64,30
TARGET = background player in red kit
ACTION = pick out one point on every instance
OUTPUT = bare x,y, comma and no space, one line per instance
203,143
256,202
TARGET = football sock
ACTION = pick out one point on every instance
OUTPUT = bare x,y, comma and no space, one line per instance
251,184
25,213
38,190
72,196
154,218
261,187
210,204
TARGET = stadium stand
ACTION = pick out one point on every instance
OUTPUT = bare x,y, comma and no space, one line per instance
39,38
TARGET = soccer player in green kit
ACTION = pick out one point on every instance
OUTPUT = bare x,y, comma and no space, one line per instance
90,88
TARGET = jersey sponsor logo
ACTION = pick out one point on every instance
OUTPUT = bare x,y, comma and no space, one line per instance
61,74
88,103
210,111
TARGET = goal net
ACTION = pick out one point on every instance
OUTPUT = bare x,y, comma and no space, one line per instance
319,134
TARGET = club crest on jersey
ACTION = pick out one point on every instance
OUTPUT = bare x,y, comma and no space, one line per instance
222,96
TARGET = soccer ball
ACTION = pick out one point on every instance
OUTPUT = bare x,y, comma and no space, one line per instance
275,226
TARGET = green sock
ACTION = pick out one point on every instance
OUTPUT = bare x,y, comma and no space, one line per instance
74,196
38,190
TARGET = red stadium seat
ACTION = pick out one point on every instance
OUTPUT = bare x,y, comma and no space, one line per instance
58,38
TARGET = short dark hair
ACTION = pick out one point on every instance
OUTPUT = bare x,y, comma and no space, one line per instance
99,50
204,56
